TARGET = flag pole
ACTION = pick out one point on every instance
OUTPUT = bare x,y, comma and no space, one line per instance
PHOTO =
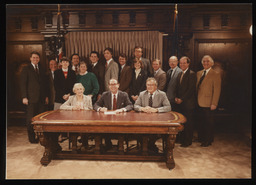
175,32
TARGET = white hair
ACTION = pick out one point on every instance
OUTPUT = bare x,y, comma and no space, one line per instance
209,57
76,85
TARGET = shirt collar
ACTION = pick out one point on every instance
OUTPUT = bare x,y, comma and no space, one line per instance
84,73
185,71
157,71
95,64
207,70
65,70
109,60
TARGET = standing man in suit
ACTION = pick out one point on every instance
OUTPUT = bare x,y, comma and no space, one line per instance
186,99
113,99
99,70
159,74
138,52
171,80
75,59
208,93
53,67
125,77
64,80
34,91
111,67
152,100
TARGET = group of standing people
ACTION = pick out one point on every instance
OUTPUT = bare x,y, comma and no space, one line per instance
142,86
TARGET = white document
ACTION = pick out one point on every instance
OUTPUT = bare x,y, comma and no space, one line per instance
110,112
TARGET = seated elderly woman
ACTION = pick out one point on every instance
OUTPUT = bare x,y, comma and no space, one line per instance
79,101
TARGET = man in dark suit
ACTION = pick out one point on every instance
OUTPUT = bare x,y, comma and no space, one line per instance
34,91
99,70
53,66
186,99
75,60
208,93
138,52
64,80
171,80
125,77
111,67
113,99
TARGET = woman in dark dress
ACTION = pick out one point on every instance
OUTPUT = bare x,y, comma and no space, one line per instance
138,82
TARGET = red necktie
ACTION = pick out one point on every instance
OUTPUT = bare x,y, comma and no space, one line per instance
114,102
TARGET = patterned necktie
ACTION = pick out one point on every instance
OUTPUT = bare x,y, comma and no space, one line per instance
150,101
201,79
114,102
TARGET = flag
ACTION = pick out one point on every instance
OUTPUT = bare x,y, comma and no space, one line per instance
175,33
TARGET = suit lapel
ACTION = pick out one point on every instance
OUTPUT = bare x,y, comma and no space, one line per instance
32,69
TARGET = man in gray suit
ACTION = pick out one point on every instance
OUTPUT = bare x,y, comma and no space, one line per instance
150,101
171,81
158,103
138,52
111,67
159,74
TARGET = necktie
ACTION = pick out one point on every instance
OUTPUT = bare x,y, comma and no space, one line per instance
36,69
114,102
169,77
150,101
201,79
181,77
106,65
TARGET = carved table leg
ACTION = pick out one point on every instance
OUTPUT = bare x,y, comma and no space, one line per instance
121,145
97,144
169,153
144,145
74,142
45,140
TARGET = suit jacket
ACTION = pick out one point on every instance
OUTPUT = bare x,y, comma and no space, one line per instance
160,77
125,79
99,71
210,88
72,101
160,101
171,86
63,86
186,90
147,66
111,72
121,102
34,87
51,88
138,85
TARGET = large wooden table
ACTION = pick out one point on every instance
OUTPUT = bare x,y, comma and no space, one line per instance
167,125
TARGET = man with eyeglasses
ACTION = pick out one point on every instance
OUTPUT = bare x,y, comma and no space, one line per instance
115,100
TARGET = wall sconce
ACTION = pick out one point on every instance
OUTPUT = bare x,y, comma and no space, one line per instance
250,30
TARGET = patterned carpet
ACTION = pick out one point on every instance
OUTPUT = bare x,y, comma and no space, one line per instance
228,157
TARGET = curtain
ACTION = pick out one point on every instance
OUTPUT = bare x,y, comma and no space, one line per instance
120,41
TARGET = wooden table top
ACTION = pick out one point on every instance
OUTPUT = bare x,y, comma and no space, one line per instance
91,117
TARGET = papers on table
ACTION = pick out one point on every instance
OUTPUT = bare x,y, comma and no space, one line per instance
110,112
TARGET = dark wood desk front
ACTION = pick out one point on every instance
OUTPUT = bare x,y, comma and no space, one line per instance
75,122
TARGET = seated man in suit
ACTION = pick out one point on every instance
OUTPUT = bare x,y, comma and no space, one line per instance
113,99
150,101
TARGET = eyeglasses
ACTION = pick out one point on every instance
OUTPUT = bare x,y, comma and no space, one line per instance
112,84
